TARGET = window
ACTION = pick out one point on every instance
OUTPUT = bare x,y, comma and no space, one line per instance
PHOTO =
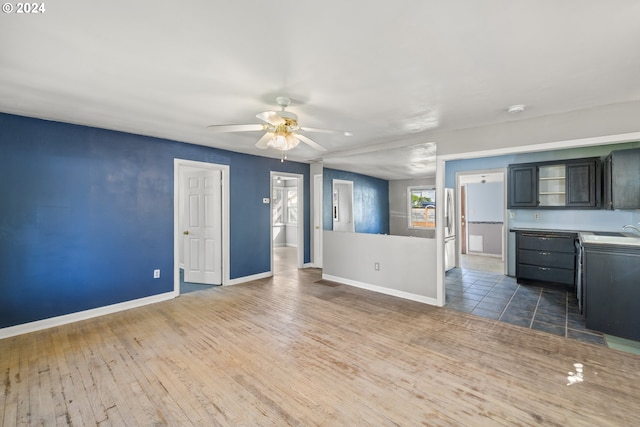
422,207
285,205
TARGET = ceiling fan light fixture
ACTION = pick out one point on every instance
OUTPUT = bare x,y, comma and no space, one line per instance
283,141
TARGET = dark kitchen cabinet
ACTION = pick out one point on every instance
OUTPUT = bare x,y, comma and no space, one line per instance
570,184
583,184
546,257
523,186
611,291
622,179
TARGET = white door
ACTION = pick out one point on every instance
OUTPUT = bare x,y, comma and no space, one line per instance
317,221
203,227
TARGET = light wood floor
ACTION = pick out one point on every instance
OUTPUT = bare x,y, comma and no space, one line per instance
291,351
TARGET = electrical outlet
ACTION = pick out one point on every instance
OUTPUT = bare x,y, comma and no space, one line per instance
156,274
376,266
536,215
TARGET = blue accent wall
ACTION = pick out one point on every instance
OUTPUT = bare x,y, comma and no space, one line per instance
86,215
370,198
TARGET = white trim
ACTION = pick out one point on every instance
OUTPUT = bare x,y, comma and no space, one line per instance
505,214
83,315
300,224
309,265
317,204
178,164
246,279
382,290
440,180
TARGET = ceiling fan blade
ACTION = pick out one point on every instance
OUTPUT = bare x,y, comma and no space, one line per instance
271,117
236,128
262,142
334,131
311,143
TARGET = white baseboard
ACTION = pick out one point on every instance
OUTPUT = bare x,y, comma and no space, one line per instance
83,315
382,290
245,279
309,265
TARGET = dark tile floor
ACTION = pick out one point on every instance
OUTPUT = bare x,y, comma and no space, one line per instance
499,297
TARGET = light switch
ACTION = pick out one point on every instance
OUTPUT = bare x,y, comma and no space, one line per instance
265,200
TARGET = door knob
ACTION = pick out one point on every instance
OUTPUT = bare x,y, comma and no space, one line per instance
185,232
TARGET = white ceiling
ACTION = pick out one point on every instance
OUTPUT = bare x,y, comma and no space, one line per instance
386,71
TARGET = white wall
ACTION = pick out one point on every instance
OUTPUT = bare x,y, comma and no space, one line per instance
291,235
519,131
407,264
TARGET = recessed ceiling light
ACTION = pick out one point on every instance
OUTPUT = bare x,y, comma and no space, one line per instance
518,108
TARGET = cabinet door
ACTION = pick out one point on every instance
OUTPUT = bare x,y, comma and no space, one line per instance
582,184
612,292
523,186
625,176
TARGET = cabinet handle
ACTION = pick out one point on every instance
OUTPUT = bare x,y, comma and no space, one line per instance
544,268
544,253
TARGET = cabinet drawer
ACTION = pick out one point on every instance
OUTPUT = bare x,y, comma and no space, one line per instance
547,242
546,274
547,259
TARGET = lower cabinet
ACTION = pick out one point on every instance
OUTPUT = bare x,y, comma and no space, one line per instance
612,290
546,257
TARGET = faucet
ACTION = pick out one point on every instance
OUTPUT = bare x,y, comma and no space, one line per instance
624,227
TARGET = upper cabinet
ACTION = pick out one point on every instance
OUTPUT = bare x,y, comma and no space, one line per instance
622,179
523,186
568,184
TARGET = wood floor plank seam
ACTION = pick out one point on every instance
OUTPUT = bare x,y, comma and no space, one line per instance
287,351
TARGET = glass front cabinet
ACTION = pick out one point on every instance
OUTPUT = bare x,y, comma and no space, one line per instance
555,185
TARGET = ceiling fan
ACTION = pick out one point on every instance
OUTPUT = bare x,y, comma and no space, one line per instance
281,129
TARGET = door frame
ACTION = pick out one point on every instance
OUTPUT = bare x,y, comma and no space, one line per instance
179,167
505,215
317,220
300,225
351,186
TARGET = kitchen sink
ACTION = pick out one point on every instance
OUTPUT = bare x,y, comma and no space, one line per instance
608,233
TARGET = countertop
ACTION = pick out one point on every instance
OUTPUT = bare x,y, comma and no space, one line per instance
594,238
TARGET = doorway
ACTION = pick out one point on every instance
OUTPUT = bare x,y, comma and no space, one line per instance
287,221
342,207
482,220
201,225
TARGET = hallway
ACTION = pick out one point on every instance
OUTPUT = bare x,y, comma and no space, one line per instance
284,258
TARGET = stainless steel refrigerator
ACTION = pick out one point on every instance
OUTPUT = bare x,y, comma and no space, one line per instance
449,230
